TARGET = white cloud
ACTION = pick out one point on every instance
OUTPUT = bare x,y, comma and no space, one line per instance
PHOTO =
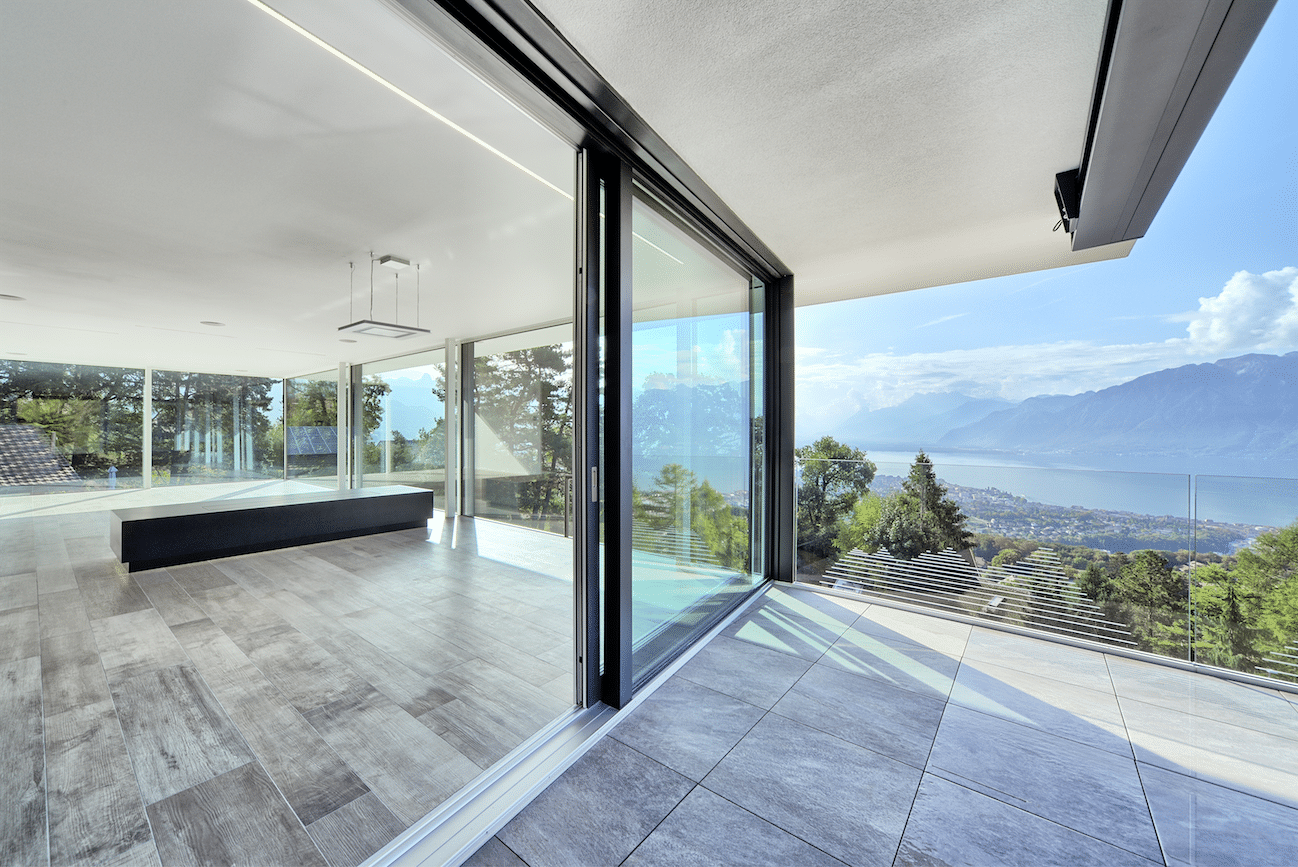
942,319
1251,313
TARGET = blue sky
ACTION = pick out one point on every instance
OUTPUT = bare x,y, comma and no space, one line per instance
1179,298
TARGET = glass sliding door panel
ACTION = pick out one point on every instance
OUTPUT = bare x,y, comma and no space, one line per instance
311,434
403,410
523,424
692,418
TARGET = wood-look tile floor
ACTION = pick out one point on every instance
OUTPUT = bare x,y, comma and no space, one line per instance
301,706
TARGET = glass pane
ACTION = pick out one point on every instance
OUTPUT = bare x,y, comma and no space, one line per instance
403,409
68,427
311,428
523,429
1244,583
692,422
209,427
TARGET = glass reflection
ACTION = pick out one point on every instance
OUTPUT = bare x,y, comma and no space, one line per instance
209,427
692,420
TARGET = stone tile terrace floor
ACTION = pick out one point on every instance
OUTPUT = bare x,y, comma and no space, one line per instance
822,730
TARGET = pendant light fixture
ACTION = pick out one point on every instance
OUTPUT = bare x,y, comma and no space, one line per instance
394,330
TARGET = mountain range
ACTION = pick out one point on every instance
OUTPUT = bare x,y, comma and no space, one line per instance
1245,406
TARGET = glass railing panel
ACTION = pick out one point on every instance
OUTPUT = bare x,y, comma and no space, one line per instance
1095,555
1244,591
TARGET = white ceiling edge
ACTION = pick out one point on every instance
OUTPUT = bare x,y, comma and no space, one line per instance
902,267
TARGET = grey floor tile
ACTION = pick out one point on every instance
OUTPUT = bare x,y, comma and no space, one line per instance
1215,698
307,771
953,825
1089,790
1043,658
136,643
896,625
494,853
598,811
1240,758
96,814
176,731
72,674
866,711
355,831
706,830
171,600
18,591
22,634
492,712
62,612
236,818
411,769
1201,823
23,836
1053,706
841,798
757,675
900,663
307,674
687,727
802,623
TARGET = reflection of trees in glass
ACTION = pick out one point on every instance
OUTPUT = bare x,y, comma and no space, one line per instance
690,520
92,414
525,399
210,426
712,419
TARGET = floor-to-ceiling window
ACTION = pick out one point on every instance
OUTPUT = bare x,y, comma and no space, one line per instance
403,415
311,433
210,427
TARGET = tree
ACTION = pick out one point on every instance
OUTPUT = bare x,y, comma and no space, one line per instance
921,517
1159,596
834,476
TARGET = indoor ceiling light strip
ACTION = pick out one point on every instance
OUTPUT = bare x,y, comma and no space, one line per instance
406,96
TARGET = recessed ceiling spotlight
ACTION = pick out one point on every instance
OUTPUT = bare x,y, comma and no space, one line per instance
12,298
393,262
209,322
345,340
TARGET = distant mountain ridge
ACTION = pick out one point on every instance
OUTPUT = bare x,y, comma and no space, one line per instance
921,417
1244,406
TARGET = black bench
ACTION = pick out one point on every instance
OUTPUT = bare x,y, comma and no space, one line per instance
152,536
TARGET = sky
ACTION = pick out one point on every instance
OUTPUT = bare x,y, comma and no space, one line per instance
1215,276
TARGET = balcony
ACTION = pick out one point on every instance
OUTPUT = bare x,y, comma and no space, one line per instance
818,728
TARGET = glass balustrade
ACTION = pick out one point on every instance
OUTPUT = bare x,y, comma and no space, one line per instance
1201,568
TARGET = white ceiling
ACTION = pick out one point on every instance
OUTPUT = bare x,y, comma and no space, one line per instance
874,145
163,164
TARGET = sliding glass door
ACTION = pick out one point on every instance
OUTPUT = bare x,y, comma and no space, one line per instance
694,362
